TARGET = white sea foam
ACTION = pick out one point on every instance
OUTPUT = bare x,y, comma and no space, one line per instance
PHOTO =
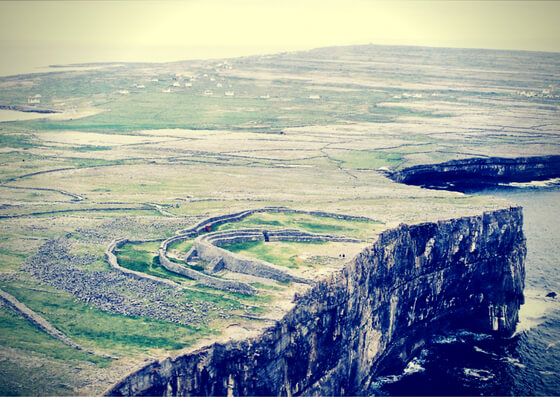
445,339
478,349
505,359
534,311
513,361
415,366
454,337
482,374
385,380
546,183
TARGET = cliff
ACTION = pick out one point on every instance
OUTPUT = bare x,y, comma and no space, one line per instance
480,171
385,303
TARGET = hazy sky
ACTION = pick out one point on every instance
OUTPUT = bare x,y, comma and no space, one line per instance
42,33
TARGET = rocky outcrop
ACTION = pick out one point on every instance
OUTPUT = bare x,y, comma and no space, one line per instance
375,312
475,172
27,109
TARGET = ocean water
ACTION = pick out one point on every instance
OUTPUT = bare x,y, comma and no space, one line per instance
528,363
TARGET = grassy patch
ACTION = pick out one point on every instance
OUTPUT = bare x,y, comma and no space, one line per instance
280,253
266,286
360,229
133,257
15,141
10,260
142,257
18,333
181,245
21,379
94,328
89,148
369,159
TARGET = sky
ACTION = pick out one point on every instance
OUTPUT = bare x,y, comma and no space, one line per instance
35,34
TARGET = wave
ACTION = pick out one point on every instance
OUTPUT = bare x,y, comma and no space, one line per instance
533,184
534,311
505,359
459,336
481,374
416,365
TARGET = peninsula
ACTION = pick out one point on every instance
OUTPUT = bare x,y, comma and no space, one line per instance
257,225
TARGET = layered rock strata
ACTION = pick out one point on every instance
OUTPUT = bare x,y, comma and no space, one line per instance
385,303
480,171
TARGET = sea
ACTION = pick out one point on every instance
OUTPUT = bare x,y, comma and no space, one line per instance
527,364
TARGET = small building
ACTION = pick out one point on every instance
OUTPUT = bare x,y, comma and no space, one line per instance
314,97
34,100
229,93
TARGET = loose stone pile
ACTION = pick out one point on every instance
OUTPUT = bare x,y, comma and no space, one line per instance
113,291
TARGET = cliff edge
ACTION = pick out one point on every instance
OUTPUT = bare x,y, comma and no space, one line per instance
479,172
385,303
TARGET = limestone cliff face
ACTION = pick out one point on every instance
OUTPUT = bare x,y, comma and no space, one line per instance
414,280
480,171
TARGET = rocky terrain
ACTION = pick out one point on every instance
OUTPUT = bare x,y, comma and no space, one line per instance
383,304
475,172
141,151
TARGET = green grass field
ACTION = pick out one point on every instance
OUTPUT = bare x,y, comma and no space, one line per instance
280,253
360,229
96,329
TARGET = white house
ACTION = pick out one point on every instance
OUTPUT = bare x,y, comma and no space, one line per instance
33,100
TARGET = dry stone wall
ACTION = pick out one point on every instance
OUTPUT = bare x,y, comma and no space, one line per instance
379,310
207,247
204,279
